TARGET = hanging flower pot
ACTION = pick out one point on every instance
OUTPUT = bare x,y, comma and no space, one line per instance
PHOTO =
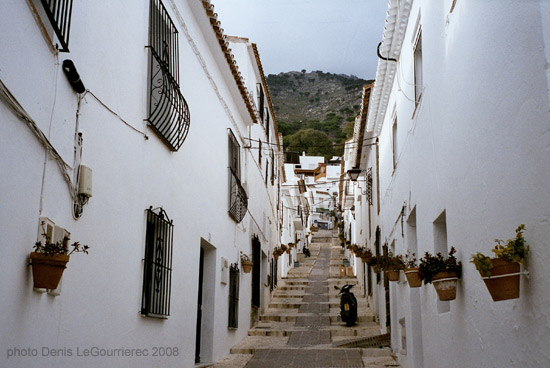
288,251
276,256
393,275
501,274
365,258
413,277
246,263
47,269
445,285
246,266
49,260
503,284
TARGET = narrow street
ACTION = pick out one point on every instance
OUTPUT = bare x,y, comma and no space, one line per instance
302,327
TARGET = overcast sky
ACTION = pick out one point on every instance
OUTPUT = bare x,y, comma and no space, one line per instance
336,36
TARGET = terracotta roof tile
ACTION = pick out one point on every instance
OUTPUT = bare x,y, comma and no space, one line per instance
216,26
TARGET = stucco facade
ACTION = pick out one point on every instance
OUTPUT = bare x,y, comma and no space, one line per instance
461,118
133,170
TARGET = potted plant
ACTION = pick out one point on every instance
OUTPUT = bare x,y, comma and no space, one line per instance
376,262
283,247
392,265
246,263
49,260
442,272
365,254
276,253
411,270
501,273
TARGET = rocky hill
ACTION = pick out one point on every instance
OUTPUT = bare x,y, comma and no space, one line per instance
302,96
315,102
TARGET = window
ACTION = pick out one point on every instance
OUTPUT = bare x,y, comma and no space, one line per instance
233,321
441,246
238,201
272,168
260,93
394,142
58,13
168,111
260,153
157,264
266,113
418,83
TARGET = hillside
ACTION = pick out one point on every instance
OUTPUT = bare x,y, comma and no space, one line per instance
315,102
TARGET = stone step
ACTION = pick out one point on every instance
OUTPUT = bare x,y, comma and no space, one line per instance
344,332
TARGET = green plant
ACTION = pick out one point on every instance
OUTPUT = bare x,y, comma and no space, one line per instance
60,247
410,260
245,258
394,262
430,265
364,253
387,262
514,250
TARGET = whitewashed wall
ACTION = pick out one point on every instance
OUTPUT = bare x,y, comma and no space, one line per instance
101,292
476,148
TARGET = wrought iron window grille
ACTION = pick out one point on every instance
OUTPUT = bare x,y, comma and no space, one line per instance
168,110
59,14
238,200
233,320
157,264
260,93
369,185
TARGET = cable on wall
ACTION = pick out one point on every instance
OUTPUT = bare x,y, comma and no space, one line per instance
20,112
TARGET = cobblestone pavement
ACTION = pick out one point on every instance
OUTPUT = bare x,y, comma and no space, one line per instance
302,327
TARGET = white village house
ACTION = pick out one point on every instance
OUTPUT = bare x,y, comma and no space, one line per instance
460,113
131,128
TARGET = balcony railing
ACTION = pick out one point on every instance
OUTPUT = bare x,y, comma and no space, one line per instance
168,110
238,200
59,15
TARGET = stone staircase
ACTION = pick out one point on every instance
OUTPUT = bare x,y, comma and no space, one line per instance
304,313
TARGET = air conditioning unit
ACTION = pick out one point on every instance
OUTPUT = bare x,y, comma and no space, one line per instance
48,231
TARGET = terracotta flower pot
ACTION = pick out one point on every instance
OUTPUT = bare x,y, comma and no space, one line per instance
365,259
393,275
503,287
246,266
276,256
445,285
413,277
47,270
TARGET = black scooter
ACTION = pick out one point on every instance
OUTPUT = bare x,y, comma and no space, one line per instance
348,305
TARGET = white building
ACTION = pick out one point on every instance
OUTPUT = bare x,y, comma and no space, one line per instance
460,110
164,120
309,199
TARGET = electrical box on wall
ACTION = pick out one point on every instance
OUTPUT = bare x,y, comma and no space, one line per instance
85,181
225,271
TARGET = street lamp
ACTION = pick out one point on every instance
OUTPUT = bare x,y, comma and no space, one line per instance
354,174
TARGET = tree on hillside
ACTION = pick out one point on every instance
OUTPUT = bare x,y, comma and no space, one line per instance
310,141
